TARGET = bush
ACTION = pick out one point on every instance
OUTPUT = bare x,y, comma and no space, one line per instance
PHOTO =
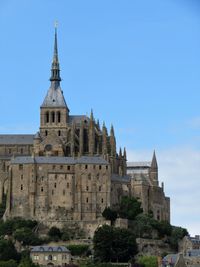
8,251
54,233
148,261
10,263
27,237
78,250
109,214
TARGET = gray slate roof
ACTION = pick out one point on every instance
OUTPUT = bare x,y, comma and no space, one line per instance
124,179
49,249
139,164
78,118
54,97
16,139
58,160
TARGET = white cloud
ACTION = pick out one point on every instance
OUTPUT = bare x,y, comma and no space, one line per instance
179,169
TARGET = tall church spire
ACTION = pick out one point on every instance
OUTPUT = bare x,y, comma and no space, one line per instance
55,68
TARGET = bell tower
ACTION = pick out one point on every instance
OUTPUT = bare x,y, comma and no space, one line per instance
54,112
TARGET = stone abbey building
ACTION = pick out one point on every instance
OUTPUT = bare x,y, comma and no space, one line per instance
69,171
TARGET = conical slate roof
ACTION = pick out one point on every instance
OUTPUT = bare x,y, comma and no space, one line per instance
54,97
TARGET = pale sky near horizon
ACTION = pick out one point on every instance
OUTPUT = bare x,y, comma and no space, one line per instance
136,63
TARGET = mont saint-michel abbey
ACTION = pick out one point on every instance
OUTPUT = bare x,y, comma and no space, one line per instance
70,170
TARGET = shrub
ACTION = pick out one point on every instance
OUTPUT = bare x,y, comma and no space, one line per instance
78,250
54,233
10,263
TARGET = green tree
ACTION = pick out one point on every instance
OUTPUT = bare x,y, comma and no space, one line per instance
10,263
55,233
78,250
26,236
129,208
176,235
114,244
148,261
109,214
27,262
8,251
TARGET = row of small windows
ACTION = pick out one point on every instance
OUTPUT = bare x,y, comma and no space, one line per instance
87,188
59,133
52,117
95,166
10,151
87,200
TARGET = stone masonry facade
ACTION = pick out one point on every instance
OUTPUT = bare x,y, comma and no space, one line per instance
70,170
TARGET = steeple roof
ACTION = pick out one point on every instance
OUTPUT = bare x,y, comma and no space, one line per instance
55,97
154,164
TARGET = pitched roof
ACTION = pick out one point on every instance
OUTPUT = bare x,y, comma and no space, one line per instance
58,160
16,139
138,164
49,249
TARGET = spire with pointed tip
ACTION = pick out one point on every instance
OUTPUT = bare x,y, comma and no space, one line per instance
112,132
120,152
55,69
124,153
154,164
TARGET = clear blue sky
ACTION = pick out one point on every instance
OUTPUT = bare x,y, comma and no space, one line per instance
136,63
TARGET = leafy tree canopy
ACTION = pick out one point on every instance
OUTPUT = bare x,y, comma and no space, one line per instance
114,244
129,208
148,261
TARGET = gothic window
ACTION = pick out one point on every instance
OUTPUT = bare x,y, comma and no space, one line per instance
68,167
20,166
99,188
53,116
46,133
86,166
87,199
102,200
87,188
55,185
99,167
59,133
68,151
59,116
47,117
42,189
107,167
21,186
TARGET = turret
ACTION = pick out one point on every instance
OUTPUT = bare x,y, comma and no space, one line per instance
91,135
154,170
104,140
112,142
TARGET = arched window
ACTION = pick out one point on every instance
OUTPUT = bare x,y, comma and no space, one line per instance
58,116
53,116
59,133
47,117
